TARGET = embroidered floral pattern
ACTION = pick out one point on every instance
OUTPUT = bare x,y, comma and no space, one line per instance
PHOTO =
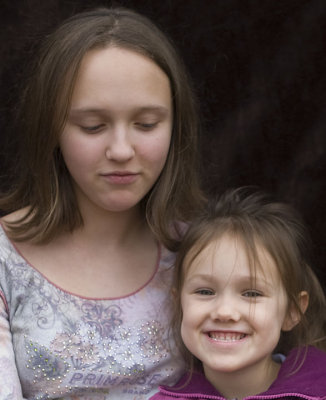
68,347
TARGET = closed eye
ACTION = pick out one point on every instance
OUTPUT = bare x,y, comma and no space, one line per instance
146,126
93,128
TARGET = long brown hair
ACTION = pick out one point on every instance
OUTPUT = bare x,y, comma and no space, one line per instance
276,227
44,184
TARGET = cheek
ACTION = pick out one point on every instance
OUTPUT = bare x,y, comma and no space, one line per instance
281,307
156,149
70,148
259,316
268,317
189,332
184,314
189,314
74,157
185,330
76,152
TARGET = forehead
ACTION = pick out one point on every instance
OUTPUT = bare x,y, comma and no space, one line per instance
116,79
122,63
229,255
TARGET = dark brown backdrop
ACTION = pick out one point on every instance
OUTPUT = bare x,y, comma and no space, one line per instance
259,69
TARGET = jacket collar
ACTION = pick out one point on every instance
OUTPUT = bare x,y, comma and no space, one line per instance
302,374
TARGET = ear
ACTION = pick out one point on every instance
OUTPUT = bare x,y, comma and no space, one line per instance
293,316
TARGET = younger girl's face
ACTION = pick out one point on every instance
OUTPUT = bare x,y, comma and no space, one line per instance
230,322
117,136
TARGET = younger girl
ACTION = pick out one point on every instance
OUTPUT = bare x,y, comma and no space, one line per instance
87,245
250,310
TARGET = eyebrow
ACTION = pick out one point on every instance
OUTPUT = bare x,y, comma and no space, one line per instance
75,112
242,279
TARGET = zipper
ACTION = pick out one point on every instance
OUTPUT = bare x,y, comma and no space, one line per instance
267,397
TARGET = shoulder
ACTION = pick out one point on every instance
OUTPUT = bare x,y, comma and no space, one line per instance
310,357
9,260
10,248
13,217
303,369
6,247
11,221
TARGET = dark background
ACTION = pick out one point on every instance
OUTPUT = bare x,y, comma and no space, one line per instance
259,70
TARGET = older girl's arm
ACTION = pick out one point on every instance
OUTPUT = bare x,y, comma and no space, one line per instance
10,387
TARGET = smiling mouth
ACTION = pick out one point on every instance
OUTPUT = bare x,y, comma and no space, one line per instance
226,336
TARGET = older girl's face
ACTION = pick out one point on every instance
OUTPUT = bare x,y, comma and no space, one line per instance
117,136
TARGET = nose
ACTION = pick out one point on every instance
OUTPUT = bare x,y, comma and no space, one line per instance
119,147
225,309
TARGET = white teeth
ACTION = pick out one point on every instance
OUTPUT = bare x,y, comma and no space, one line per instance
226,337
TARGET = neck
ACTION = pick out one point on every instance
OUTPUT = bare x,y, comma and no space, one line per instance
111,227
245,382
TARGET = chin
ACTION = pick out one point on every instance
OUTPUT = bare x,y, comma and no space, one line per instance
122,206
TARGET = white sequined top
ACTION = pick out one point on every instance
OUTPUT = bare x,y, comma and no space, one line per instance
56,345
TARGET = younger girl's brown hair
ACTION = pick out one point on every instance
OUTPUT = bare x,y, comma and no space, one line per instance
277,228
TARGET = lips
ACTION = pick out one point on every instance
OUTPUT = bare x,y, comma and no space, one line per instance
226,336
120,177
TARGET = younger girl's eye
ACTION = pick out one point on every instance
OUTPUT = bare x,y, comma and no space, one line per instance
252,293
205,292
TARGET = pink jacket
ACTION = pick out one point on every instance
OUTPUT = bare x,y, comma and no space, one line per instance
308,383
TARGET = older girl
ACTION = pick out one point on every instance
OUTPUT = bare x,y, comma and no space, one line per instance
108,167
